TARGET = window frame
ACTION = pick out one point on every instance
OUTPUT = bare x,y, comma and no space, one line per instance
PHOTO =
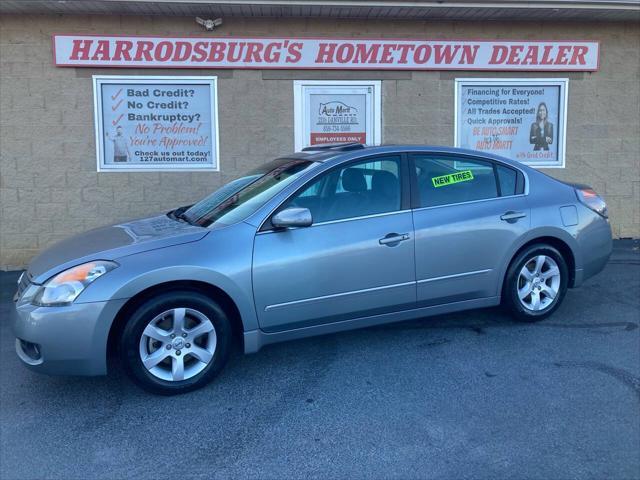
405,190
522,180
518,182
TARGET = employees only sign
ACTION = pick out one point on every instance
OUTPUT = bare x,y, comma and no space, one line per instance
336,112
338,118
156,123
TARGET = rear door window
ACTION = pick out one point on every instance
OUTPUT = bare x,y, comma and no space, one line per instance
447,180
508,180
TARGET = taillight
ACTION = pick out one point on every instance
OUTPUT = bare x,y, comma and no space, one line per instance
591,199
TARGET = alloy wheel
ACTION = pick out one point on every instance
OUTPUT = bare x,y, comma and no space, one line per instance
178,344
538,283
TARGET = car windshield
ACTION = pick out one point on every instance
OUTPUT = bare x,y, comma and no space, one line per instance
240,198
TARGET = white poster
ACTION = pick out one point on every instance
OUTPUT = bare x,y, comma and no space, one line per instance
337,112
156,123
521,119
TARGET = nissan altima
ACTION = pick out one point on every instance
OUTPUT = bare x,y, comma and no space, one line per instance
332,238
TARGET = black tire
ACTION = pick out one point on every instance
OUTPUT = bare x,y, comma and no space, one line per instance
129,350
510,298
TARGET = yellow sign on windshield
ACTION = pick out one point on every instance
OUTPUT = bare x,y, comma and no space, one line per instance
452,178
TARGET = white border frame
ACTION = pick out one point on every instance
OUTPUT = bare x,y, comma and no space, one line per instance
299,114
99,80
563,83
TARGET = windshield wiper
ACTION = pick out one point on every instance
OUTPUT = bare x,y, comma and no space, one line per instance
178,214
182,216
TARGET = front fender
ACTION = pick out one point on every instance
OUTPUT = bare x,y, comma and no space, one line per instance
240,297
221,259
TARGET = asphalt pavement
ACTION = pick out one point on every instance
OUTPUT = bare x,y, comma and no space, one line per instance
467,395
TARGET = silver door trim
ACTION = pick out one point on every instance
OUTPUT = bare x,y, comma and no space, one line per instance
340,220
362,217
419,209
336,295
455,275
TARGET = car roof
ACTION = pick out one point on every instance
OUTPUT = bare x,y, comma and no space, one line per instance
348,151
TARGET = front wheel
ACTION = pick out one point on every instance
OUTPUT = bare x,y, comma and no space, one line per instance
176,342
536,283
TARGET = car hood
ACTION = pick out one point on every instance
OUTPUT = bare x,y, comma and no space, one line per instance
111,242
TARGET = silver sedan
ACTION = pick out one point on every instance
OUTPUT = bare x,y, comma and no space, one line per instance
329,239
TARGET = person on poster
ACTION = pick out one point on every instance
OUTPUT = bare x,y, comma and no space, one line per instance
541,134
120,148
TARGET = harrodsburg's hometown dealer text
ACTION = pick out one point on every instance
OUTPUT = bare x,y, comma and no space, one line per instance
522,119
156,123
76,50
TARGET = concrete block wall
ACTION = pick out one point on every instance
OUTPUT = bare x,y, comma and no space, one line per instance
49,187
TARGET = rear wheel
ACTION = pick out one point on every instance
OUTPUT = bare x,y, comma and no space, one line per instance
176,342
536,283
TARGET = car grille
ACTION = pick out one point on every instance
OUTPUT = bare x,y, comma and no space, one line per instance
22,285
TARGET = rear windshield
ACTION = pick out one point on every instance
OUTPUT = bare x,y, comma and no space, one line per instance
242,197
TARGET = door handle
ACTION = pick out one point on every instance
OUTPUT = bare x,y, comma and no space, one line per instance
394,238
512,216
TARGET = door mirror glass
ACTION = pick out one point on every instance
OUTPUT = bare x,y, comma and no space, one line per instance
292,217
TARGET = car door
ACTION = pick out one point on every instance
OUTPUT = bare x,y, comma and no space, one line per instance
468,213
355,260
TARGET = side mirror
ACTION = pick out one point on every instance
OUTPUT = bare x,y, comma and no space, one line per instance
292,217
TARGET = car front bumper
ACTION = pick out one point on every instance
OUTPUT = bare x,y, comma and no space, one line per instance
67,340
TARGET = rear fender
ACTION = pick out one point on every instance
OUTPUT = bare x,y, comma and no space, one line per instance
530,237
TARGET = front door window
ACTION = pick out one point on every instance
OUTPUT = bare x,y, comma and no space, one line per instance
355,190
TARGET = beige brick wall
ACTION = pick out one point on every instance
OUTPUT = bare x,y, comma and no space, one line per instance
49,188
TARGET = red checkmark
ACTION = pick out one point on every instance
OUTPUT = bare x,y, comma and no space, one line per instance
117,120
113,97
114,107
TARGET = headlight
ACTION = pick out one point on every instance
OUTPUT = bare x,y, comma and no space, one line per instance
65,287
